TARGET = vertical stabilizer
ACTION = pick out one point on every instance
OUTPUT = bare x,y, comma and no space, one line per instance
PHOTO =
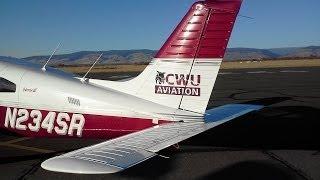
183,72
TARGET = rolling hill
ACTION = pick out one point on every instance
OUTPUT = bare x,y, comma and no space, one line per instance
145,55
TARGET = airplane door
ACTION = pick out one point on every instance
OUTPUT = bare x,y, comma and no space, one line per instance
9,86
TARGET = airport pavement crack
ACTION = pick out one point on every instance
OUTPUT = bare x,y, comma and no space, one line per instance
298,171
32,170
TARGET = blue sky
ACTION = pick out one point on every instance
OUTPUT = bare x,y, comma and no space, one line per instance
35,27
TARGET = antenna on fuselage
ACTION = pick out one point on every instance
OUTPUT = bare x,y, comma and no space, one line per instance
84,77
55,50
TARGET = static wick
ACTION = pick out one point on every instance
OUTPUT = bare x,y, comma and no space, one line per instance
45,65
248,17
84,77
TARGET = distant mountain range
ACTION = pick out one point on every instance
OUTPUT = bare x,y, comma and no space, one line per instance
88,57
276,53
145,55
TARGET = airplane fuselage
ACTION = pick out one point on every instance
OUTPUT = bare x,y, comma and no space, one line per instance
53,103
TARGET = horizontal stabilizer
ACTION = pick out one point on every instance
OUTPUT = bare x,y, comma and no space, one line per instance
230,111
121,153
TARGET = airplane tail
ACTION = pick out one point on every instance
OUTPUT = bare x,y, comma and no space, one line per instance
184,71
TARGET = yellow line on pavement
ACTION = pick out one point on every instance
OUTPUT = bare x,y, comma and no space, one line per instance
34,149
17,140
27,148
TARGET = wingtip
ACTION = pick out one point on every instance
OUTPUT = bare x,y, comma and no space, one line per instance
77,166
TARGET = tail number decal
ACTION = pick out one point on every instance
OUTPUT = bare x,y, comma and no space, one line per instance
177,84
60,123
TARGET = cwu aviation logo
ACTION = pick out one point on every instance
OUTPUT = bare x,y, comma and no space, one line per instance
178,84
160,78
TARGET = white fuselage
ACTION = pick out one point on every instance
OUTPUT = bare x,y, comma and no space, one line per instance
59,92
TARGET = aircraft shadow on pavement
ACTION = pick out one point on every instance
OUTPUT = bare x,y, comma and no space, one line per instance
283,127
263,170
252,170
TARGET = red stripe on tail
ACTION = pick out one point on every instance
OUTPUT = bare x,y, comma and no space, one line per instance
204,32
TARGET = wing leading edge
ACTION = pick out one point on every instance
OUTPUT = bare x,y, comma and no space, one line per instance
121,153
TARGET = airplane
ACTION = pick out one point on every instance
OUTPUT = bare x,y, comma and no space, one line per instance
161,107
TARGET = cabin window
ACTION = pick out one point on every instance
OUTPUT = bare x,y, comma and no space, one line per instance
7,86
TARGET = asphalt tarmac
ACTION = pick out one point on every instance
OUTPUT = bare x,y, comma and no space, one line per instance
279,142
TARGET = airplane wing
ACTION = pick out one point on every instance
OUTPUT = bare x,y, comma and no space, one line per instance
121,153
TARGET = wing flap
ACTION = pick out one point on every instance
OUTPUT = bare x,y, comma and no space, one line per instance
121,153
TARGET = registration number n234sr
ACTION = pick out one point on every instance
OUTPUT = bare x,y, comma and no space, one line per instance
33,120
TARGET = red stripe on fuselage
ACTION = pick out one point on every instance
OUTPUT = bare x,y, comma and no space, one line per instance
95,126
